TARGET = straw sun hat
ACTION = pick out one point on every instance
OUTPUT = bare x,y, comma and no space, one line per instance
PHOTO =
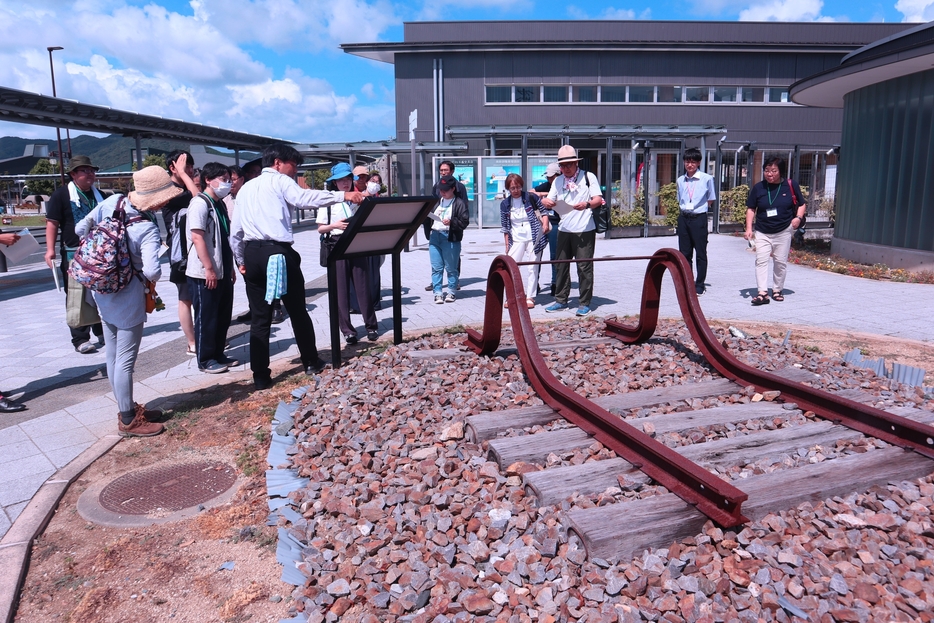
153,188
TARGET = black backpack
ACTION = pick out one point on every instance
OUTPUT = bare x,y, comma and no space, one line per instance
601,215
180,245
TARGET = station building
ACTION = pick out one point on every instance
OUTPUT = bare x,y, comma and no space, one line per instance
885,191
630,95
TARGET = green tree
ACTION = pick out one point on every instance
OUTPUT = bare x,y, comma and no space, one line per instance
316,178
152,160
41,187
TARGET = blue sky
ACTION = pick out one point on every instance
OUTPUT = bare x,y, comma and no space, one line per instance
274,67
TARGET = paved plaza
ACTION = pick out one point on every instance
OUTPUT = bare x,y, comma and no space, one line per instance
71,407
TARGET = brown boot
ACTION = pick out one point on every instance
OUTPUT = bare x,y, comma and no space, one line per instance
150,415
139,427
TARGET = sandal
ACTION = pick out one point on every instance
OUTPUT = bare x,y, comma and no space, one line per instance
778,296
529,303
761,299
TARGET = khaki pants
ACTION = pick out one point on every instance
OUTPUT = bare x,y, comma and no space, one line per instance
775,246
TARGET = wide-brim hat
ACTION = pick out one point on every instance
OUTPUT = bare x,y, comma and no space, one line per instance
153,188
80,161
567,154
339,171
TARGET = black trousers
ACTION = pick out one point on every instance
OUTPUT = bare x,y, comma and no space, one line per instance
256,255
692,238
213,309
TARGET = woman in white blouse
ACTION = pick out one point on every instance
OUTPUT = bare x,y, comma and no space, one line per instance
525,229
332,221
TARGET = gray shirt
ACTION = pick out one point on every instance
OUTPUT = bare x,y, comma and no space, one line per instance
127,308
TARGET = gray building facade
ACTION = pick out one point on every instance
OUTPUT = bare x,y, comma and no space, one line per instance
885,199
626,93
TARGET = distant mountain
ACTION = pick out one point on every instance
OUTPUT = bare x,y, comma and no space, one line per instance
106,153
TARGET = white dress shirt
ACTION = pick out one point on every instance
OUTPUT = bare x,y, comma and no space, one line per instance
264,209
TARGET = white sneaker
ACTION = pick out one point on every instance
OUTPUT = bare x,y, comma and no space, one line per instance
439,300
86,348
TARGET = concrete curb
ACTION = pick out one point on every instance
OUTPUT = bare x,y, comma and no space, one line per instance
16,545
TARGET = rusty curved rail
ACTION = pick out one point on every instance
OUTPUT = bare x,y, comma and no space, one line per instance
712,496
868,420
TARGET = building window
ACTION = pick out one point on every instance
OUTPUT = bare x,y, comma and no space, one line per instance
555,94
724,94
613,94
584,94
641,94
528,94
635,94
778,95
669,94
497,95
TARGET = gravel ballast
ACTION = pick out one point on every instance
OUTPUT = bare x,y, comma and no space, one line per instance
404,520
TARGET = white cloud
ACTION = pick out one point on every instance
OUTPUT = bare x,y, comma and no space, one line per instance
916,10
784,11
609,13
203,66
126,88
510,9
285,25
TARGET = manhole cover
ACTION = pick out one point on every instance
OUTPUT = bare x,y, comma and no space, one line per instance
169,488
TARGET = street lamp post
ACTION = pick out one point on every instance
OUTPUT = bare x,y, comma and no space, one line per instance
58,131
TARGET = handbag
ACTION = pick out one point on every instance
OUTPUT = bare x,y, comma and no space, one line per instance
153,300
327,243
601,218
79,312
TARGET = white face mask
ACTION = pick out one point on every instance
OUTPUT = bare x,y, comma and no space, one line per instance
222,188
373,188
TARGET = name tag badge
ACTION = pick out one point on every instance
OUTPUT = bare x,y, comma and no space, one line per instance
771,213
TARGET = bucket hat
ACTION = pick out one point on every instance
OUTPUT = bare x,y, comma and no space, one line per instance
80,161
339,171
152,188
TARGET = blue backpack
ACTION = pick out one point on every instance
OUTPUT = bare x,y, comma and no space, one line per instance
102,262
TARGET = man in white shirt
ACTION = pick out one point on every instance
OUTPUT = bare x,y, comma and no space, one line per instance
696,193
261,229
578,192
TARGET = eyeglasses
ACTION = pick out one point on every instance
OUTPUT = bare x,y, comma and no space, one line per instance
84,171
566,165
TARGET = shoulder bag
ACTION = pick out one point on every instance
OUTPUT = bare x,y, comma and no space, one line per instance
327,243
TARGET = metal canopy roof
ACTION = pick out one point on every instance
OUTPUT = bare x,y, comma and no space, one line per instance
337,151
640,131
32,108
623,36
903,54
